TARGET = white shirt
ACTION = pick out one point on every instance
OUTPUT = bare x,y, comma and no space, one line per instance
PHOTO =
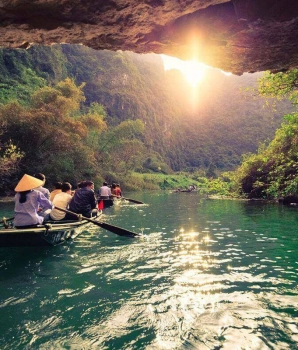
105,191
60,200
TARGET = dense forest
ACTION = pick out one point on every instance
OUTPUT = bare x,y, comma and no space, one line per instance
73,113
272,172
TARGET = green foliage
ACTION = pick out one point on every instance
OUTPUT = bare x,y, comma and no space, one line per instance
218,187
95,123
54,138
272,172
48,138
280,85
154,181
154,163
65,97
10,157
24,71
12,89
119,149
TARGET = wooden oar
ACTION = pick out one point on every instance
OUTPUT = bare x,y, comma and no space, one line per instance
115,229
128,199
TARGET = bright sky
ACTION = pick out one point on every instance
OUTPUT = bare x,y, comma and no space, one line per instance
193,71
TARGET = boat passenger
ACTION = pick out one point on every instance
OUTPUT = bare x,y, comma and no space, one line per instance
105,191
61,200
41,188
57,189
27,202
83,201
43,211
113,189
82,184
118,190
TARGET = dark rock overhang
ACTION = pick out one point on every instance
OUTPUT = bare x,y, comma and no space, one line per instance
236,36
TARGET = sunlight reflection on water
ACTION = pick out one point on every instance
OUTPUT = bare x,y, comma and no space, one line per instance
191,305
207,310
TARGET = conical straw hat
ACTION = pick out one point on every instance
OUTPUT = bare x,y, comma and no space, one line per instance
27,183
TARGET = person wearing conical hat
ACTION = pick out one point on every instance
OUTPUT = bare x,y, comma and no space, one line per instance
28,201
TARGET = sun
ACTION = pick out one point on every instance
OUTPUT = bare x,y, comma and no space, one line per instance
193,71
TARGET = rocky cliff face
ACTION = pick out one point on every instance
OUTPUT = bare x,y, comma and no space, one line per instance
237,36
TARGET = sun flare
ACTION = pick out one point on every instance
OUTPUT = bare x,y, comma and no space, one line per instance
193,71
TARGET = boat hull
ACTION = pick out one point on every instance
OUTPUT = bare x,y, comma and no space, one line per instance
50,234
187,191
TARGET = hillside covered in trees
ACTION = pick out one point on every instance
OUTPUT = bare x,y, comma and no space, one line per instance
123,112
272,172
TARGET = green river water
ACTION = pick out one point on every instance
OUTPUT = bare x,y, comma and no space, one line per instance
207,274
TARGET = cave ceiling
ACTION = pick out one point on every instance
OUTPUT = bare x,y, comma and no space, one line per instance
236,36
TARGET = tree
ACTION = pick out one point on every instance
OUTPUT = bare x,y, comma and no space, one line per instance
272,172
10,157
50,139
95,123
280,85
119,149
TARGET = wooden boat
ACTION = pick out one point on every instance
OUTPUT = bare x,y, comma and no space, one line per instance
105,203
51,233
178,191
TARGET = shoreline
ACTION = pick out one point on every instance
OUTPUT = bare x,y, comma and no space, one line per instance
6,199
243,199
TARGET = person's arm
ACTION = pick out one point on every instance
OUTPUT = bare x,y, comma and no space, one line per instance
43,201
47,194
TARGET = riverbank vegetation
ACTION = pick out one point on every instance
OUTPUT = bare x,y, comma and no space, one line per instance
272,172
178,181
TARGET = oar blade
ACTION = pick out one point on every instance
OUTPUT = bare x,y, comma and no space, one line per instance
117,230
128,199
133,201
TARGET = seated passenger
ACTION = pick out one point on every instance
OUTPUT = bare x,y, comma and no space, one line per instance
83,201
105,191
61,200
118,190
57,189
113,189
40,188
28,201
43,211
